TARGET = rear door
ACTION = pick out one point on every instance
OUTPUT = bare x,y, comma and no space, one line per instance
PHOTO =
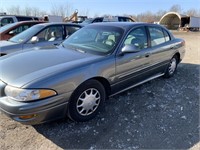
161,46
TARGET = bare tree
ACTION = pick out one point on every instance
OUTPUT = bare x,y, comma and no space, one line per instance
96,15
69,10
192,12
27,11
84,12
2,10
37,12
146,17
14,10
61,10
176,8
42,13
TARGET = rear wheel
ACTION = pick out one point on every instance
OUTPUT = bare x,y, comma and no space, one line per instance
171,69
86,101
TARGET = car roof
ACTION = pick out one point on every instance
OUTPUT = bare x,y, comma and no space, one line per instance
31,21
123,25
59,23
18,16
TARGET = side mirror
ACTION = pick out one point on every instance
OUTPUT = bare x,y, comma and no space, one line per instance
11,32
34,40
130,48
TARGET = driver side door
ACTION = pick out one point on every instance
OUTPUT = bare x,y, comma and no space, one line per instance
131,68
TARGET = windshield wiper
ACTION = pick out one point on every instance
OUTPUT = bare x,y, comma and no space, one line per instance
76,49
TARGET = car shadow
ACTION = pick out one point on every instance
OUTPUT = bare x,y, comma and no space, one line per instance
160,114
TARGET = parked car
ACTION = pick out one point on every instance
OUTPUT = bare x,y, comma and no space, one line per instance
6,19
75,78
12,29
108,19
39,35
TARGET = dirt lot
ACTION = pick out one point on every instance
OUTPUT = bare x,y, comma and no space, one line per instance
161,114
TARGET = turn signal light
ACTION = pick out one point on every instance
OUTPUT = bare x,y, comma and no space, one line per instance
27,116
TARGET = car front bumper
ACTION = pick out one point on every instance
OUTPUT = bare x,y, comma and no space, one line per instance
35,112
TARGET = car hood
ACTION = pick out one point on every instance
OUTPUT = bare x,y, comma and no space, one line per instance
6,43
8,46
21,68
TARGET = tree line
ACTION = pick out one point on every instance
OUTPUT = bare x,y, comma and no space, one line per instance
67,10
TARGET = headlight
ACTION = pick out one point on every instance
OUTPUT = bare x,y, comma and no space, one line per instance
28,94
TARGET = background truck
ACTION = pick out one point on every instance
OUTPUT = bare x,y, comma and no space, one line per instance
194,23
6,19
53,18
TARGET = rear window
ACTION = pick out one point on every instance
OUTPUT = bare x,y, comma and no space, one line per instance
19,18
6,20
124,19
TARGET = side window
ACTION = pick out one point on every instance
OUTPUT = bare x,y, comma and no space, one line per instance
70,30
20,29
98,20
167,37
52,33
124,19
19,18
137,37
35,18
157,36
121,19
5,21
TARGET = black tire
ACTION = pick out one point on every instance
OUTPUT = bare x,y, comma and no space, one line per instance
86,101
171,69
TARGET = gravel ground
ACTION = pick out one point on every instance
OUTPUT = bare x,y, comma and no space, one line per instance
160,114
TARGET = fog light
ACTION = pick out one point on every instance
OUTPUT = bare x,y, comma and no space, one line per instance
27,116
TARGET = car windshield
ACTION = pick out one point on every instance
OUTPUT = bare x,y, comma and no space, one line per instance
6,27
95,39
27,34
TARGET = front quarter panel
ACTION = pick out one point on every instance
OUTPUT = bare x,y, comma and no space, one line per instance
10,48
68,80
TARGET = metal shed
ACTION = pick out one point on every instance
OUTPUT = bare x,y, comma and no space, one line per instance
174,20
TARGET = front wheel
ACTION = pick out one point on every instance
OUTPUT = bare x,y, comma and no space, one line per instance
171,67
86,101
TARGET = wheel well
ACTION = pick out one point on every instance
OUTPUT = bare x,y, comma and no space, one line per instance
105,83
178,56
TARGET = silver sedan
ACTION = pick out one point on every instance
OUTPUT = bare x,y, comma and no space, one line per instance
75,78
40,35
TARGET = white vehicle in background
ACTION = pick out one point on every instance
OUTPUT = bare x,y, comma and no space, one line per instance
194,24
6,19
53,18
